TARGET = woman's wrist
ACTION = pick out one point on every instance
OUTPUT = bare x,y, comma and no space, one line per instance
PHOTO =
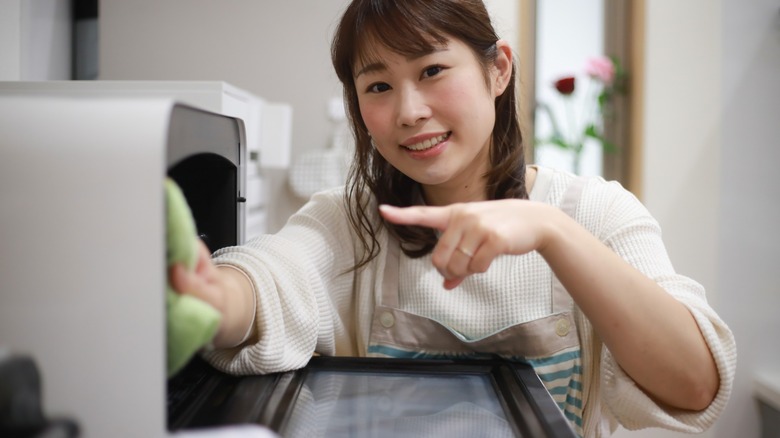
239,308
552,230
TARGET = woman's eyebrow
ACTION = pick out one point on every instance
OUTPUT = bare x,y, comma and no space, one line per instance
380,66
372,67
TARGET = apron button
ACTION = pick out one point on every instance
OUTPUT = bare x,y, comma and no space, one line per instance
386,319
562,327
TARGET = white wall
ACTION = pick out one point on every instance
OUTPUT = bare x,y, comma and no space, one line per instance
749,210
683,116
276,49
506,16
10,40
46,40
682,138
710,165
35,42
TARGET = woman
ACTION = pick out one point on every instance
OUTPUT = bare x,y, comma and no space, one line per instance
568,274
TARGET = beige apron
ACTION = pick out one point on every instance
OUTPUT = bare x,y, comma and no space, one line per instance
550,344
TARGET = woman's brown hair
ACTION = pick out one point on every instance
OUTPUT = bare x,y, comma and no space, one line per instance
413,28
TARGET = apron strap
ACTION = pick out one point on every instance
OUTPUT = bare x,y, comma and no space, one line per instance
561,300
389,297
571,197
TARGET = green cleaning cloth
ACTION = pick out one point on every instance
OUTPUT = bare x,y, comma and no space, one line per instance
191,322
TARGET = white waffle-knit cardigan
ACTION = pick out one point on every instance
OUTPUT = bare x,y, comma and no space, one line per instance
309,300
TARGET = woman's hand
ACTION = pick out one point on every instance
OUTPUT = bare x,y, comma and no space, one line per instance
475,233
203,282
224,288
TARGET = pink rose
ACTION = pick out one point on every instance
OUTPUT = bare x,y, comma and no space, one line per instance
601,68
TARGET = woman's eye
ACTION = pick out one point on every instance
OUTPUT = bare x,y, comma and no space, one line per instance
378,87
432,71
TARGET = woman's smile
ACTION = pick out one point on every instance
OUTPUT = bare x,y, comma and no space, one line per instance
429,148
426,143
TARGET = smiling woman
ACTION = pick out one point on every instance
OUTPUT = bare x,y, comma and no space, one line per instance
415,110
469,52
445,244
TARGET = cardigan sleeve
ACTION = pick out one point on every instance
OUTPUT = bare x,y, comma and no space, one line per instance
627,227
300,276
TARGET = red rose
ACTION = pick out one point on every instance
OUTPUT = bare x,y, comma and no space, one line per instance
565,85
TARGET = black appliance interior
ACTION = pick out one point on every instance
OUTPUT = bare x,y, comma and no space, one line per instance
204,159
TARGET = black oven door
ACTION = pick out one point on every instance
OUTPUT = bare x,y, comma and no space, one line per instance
357,397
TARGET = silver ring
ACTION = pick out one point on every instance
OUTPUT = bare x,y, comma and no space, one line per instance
466,252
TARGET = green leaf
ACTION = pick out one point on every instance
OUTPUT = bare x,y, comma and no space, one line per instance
554,140
591,131
561,144
603,98
609,147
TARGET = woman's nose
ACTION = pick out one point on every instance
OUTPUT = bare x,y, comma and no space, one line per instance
411,107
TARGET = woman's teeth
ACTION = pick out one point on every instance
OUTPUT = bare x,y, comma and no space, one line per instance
429,143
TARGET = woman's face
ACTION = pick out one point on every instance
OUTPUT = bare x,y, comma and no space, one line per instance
432,117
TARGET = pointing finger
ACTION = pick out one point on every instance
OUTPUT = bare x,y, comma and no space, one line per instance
431,217
453,283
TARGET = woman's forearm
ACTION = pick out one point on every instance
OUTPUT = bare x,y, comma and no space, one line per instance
652,336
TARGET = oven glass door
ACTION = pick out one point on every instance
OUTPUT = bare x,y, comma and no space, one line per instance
369,397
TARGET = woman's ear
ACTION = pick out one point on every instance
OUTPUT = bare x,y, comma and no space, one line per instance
502,68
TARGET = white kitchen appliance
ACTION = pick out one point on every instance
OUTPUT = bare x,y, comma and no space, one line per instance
82,243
